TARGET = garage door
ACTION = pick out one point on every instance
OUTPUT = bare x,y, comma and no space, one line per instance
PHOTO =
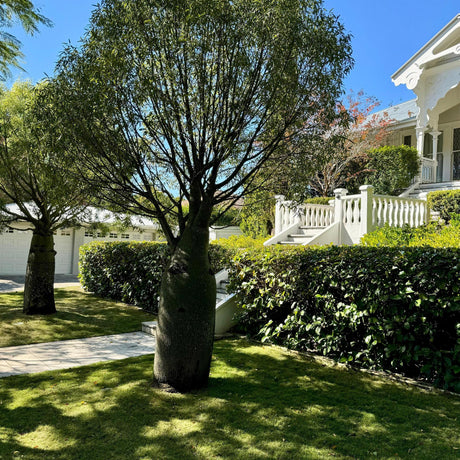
14,250
63,245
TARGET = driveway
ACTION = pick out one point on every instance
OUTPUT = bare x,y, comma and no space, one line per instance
16,283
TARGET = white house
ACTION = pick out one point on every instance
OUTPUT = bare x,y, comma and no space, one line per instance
431,121
15,241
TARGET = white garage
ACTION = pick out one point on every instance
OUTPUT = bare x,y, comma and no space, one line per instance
15,243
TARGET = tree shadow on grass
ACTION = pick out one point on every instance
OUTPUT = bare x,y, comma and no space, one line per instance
261,403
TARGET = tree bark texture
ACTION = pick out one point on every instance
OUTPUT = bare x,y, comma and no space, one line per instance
186,316
39,283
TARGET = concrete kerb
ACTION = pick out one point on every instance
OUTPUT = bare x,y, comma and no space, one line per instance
15,283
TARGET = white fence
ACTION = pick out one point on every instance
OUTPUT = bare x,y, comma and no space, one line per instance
288,213
351,216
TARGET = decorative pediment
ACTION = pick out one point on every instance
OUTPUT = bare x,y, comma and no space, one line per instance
443,49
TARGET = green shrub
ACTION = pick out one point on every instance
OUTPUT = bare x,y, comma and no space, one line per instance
392,168
132,271
231,217
319,200
446,202
381,308
432,235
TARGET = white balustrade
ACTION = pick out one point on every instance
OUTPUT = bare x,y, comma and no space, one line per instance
289,213
317,215
397,212
356,214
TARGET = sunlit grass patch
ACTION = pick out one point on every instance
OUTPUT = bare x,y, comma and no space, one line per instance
79,315
262,403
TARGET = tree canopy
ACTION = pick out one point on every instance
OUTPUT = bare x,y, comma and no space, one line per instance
187,100
30,18
35,185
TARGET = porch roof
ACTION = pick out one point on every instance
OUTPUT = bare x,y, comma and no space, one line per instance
405,112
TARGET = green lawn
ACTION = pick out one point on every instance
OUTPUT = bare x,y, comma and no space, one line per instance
79,315
262,403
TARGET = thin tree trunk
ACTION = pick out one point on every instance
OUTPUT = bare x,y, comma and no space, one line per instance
39,284
186,316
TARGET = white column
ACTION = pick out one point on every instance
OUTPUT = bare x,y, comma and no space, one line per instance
338,193
420,135
435,135
338,210
278,217
367,193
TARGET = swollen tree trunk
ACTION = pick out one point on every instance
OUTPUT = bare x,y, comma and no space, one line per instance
39,284
186,316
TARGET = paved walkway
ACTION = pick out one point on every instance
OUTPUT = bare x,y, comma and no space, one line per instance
15,283
41,357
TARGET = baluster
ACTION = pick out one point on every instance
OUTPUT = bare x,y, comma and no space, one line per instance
393,222
400,213
417,214
356,212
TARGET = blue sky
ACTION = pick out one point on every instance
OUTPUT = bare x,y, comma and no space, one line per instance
385,35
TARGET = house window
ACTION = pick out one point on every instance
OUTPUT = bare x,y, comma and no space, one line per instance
125,236
65,232
113,235
89,234
407,140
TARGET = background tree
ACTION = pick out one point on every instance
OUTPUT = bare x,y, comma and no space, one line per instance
35,187
172,99
12,11
392,168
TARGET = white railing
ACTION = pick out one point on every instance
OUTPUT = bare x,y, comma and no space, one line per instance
317,215
397,211
288,213
428,172
352,215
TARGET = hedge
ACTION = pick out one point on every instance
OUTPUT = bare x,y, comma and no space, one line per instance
431,235
446,202
392,308
132,271
396,309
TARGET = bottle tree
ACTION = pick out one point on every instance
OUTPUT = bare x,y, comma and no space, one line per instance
173,102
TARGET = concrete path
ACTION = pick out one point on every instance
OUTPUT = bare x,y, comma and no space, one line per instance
41,357
15,283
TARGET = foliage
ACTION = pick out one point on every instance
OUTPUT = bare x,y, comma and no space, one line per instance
319,200
381,308
257,215
433,235
335,156
79,315
392,168
29,16
132,271
446,202
263,402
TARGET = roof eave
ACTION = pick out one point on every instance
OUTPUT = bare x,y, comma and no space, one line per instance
406,65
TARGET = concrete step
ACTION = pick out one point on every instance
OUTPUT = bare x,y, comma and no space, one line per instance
149,327
423,189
